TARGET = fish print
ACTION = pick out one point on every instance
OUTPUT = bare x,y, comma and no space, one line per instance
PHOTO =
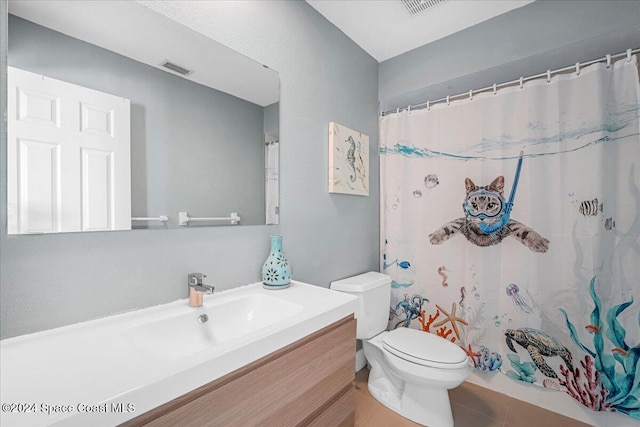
431,181
590,207
621,351
592,328
609,224
402,264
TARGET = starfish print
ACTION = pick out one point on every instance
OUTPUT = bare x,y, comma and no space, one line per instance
451,318
472,355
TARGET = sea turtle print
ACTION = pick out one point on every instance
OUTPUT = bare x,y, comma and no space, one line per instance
538,344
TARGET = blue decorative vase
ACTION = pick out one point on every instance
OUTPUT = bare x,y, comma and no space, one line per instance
276,271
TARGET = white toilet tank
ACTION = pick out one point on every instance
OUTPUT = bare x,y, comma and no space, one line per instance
373,290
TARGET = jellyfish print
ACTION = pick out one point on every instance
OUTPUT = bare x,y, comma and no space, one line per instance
518,300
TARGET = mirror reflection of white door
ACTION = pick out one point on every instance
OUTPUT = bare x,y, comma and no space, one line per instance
69,161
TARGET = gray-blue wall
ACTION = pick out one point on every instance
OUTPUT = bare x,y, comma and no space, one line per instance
52,280
48,281
193,148
526,41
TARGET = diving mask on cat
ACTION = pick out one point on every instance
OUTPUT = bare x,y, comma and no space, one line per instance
483,204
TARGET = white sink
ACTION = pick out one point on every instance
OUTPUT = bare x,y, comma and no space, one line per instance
185,334
151,356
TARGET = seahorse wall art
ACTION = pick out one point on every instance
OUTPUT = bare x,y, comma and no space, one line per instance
348,161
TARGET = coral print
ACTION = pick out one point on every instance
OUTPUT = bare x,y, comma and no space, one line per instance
586,388
487,360
524,371
611,368
409,308
442,329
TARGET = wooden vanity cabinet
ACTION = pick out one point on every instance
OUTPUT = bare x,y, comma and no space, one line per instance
307,383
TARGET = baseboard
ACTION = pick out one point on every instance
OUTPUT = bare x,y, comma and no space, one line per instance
361,361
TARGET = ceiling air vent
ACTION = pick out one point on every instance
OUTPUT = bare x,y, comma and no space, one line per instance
176,68
417,6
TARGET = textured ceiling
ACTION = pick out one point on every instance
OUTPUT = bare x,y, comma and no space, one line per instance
385,28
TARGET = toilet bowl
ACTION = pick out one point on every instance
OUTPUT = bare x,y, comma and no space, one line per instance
411,370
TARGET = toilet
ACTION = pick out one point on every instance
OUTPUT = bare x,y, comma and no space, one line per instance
410,370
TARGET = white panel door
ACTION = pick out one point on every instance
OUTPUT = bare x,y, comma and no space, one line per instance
69,166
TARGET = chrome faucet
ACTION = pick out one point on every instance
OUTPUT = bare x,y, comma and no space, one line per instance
197,289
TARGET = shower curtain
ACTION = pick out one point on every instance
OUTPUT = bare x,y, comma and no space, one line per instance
543,289
271,181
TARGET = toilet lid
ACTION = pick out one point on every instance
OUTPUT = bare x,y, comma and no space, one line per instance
424,348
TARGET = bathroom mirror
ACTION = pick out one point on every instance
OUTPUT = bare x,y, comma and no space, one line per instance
200,120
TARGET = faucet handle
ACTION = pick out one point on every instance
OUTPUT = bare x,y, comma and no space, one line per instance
197,289
195,279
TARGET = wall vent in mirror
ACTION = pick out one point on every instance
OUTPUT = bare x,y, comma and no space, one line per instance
191,132
176,68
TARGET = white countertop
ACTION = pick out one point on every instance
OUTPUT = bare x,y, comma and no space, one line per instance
89,368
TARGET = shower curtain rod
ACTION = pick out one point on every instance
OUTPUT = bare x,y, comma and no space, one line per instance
608,59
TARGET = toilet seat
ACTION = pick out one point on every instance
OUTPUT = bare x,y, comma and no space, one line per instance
424,349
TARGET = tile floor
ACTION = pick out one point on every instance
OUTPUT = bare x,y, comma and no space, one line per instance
472,406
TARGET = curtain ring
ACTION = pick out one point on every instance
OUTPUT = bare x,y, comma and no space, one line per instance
548,76
521,82
447,99
495,89
628,55
577,68
471,95
608,61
